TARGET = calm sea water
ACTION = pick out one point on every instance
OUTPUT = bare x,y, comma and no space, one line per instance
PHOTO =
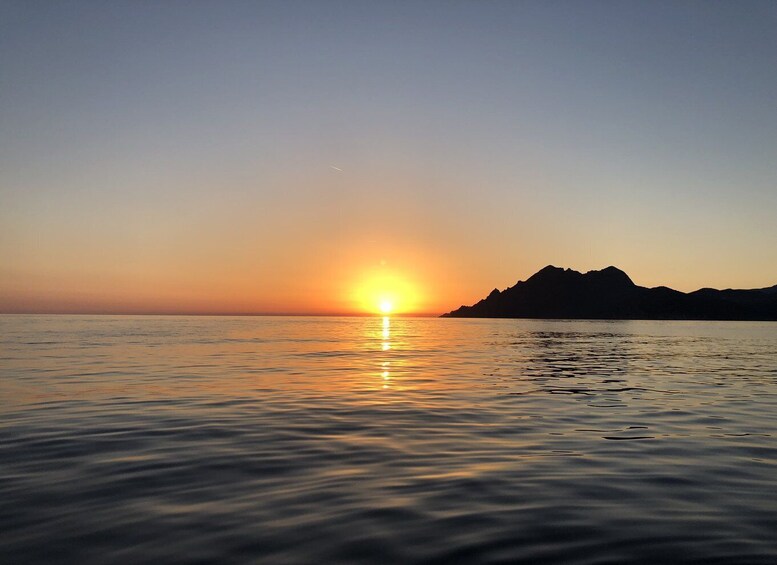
328,440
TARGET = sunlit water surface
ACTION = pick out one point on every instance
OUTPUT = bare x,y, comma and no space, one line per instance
323,440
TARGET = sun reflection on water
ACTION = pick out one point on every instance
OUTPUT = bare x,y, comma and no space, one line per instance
385,346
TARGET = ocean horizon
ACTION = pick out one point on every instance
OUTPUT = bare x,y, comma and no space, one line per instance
388,282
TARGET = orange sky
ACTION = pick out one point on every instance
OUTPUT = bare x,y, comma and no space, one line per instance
340,252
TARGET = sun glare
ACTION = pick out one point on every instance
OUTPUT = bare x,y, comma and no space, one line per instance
383,293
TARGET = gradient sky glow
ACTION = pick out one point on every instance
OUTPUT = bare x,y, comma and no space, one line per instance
281,157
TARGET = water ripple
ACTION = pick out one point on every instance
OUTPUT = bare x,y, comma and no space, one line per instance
315,440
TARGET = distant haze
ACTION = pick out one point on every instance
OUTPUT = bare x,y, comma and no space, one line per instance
294,156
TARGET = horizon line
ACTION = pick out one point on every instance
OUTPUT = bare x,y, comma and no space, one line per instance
225,314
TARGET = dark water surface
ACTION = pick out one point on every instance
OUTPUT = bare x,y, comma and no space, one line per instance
327,440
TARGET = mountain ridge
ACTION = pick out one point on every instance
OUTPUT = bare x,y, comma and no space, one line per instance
609,293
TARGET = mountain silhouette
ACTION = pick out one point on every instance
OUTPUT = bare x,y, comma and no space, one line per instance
610,294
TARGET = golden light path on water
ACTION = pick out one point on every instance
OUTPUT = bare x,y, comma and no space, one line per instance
385,346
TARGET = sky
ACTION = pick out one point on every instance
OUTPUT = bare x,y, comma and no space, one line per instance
321,157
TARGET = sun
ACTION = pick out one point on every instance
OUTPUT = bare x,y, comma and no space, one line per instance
385,292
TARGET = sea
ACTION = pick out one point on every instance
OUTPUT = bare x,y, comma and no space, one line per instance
143,439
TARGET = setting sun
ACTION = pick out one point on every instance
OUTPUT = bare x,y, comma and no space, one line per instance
385,292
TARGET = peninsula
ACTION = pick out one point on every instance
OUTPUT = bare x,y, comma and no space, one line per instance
609,294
